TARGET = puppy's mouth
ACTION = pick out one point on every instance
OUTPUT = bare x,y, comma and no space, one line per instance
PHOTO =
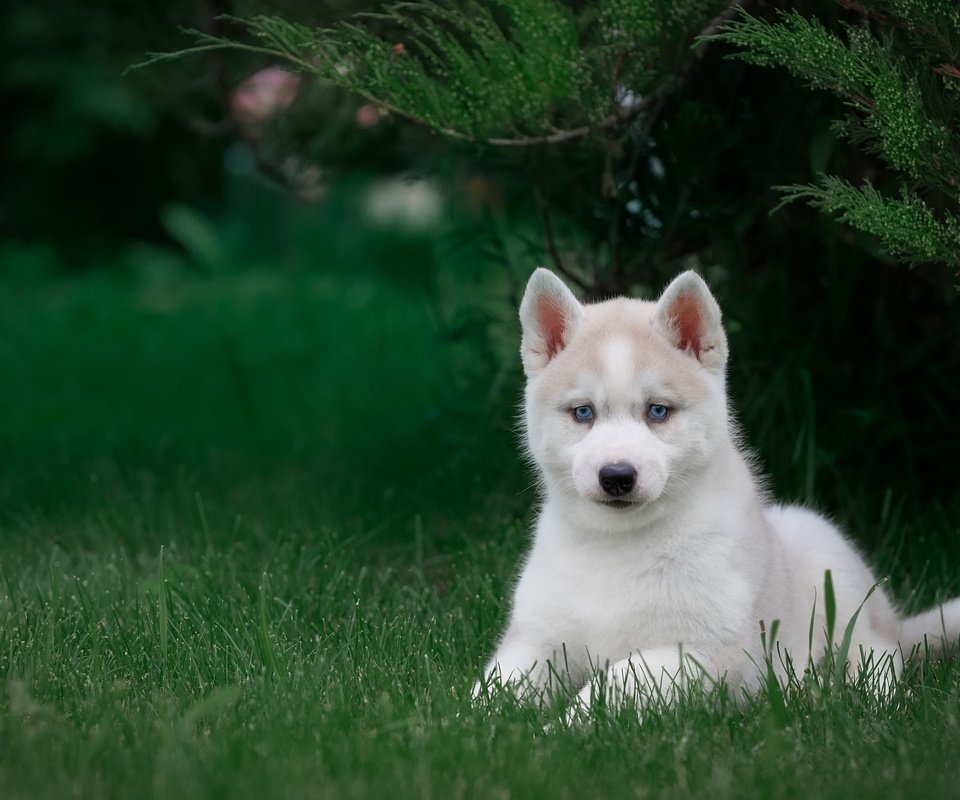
618,504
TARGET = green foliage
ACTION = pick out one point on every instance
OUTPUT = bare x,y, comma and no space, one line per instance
899,76
907,226
501,72
645,40
74,125
628,132
476,71
567,102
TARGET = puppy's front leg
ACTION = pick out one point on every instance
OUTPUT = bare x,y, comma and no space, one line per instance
519,665
645,677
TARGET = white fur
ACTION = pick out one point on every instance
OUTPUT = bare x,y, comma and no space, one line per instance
678,583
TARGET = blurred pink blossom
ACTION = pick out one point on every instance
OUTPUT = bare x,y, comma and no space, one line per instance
261,97
368,115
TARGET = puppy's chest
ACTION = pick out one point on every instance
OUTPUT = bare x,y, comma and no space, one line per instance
610,601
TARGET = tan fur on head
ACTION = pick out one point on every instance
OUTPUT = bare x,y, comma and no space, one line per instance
686,314
619,357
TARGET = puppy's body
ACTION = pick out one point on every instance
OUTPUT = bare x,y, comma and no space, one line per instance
656,555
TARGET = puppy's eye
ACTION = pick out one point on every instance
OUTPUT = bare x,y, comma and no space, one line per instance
657,412
583,413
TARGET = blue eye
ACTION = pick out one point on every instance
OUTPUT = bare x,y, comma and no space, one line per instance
657,412
583,413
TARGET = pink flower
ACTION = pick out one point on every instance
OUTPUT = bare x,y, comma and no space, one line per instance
368,115
262,97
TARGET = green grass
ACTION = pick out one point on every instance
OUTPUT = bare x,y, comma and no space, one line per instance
257,536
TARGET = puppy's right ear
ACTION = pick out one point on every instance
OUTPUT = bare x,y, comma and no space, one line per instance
549,314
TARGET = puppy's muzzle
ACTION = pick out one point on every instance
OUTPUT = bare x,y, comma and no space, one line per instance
617,479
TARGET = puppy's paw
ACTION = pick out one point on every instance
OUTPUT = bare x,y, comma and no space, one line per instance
579,711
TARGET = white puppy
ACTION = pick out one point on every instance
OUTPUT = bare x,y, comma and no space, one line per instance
657,556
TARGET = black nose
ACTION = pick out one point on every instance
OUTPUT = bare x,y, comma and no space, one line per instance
618,479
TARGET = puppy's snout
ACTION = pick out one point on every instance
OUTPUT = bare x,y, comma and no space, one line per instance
618,479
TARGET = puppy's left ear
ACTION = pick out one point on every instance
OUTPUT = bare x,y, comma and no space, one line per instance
689,317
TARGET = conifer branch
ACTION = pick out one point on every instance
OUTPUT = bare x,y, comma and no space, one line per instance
558,137
620,116
459,70
908,227
901,112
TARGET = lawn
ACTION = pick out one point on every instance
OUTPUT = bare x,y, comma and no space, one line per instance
256,536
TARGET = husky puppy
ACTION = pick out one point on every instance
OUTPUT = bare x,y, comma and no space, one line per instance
657,556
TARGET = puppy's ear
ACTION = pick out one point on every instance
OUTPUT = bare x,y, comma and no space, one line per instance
549,314
689,317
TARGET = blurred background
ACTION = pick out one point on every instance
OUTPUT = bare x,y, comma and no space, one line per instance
232,287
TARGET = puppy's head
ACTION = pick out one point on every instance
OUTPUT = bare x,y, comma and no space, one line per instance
625,399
